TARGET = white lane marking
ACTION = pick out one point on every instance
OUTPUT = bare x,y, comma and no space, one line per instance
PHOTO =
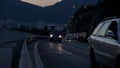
37,57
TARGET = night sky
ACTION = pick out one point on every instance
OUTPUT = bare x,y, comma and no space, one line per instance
62,9
57,11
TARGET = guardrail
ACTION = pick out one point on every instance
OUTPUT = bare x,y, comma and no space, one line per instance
16,53
16,47
25,60
77,35
21,57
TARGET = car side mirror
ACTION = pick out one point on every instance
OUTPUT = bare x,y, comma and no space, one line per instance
110,34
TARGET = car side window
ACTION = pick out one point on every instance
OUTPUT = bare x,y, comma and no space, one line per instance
113,29
104,28
97,29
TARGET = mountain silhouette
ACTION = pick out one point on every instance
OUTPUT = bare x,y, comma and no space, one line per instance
59,13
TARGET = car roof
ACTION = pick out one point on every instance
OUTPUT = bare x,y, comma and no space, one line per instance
115,19
108,18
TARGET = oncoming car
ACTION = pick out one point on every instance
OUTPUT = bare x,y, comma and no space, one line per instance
55,36
68,38
105,44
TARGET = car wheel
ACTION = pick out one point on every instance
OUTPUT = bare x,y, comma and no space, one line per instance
92,59
118,62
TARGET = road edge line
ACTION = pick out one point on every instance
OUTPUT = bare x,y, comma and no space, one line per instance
25,61
37,57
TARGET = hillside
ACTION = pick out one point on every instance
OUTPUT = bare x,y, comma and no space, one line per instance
85,20
21,11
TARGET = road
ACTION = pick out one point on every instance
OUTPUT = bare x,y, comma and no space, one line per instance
68,54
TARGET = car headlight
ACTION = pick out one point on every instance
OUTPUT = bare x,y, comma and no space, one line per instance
60,36
51,35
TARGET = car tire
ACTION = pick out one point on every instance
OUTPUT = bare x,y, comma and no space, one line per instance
92,59
117,62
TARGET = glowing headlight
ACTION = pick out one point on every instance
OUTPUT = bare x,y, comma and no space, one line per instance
51,35
60,36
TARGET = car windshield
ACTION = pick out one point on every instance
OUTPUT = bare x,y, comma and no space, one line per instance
55,32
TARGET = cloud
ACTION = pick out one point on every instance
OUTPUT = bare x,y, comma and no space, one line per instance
42,3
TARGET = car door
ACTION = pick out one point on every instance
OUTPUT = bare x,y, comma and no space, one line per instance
99,41
106,46
92,38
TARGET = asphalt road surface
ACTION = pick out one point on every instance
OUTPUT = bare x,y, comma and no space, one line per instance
68,54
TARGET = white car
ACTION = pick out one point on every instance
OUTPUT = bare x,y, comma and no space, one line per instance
105,44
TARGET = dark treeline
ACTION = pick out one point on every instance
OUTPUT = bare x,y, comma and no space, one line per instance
88,17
